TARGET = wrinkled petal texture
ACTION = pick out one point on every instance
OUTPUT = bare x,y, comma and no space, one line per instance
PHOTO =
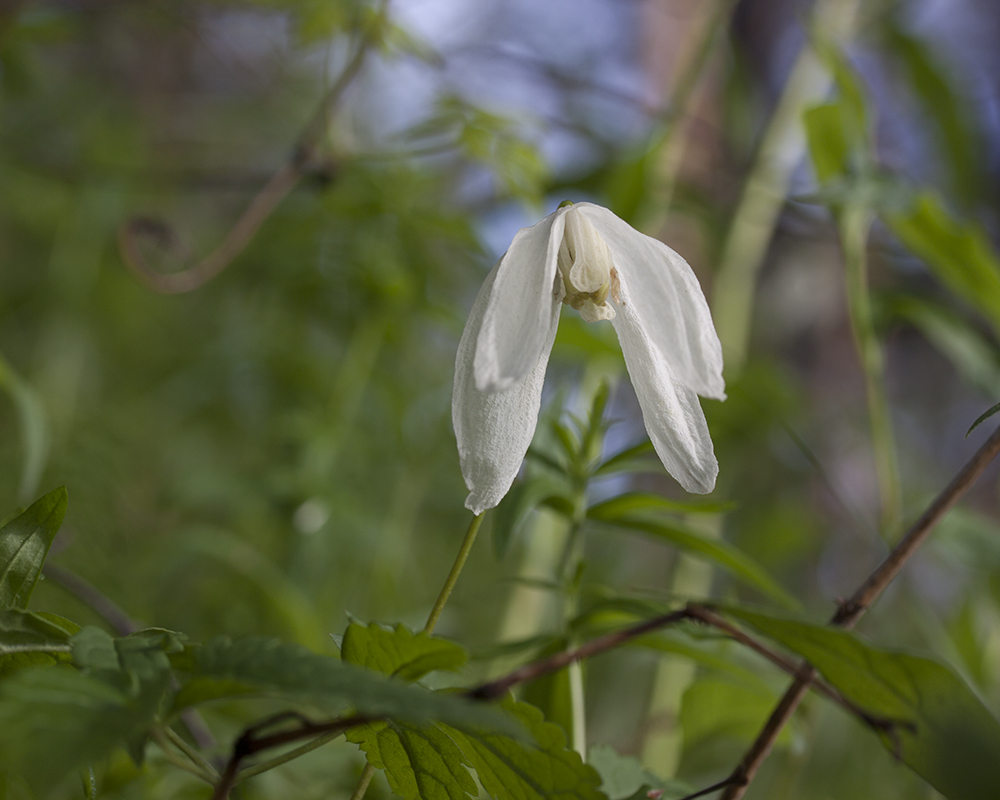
667,300
494,429
520,312
671,411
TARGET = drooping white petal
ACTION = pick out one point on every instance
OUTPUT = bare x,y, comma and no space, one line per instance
667,298
520,312
671,411
494,429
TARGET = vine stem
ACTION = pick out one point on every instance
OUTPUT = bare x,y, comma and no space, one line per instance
852,609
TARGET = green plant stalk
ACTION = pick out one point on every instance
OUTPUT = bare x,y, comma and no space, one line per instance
766,187
193,767
190,752
570,573
855,222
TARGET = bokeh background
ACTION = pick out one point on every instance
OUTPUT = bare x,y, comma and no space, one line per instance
272,452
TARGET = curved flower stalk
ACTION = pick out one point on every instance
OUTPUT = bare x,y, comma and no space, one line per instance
586,257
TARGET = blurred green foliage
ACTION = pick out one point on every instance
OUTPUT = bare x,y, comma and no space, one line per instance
267,462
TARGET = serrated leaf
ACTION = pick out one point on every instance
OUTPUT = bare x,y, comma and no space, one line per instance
543,769
623,504
223,667
27,632
399,652
24,544
945,733
55,720
419,763
718,551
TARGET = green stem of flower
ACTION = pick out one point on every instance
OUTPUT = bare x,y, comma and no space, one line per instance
456,570
855,221
195,768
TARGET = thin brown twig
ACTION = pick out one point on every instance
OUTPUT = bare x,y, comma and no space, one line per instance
303,160
852,609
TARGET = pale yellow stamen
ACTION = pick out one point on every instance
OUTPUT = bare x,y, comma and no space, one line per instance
586,268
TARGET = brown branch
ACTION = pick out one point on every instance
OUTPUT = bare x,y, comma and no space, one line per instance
852,609
303,161
250,743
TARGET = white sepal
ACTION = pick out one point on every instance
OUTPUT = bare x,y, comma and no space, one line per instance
520,312
667,301
494,428
670,411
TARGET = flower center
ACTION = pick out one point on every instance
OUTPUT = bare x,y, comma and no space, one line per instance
586,268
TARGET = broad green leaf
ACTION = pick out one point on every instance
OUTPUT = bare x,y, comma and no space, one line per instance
55,720
24,544
623,776
27,632
399,652
422,763
223,667
623,504
959,253
945,733
720,552
544,768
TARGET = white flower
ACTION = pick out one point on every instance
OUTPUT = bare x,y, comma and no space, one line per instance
584,256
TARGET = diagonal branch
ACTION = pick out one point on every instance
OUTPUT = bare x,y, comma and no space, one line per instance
852,609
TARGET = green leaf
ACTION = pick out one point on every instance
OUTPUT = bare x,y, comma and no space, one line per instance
623,776
399,652
624,504
945,734
55,720
722,553
226,668
544,768
631,460
829,143
137,665
959,253
27,632
982,418
24,544
418,762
